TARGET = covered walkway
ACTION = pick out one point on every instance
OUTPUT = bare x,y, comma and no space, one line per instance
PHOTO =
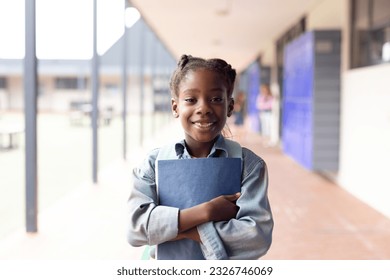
314,218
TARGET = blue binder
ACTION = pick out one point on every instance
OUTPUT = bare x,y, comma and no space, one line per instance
184,183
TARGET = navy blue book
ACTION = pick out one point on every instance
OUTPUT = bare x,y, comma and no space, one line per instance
184,183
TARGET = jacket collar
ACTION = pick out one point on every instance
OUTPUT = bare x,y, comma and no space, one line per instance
218,150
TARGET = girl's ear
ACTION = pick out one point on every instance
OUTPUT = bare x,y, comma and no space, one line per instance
174,108
230,107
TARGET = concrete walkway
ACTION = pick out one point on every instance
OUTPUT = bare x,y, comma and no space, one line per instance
314,218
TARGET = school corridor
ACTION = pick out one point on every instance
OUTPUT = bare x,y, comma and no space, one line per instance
315,219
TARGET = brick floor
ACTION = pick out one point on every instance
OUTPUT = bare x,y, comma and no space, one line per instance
314,218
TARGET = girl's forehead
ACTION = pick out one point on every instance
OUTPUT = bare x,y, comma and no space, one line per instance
202,80
201,74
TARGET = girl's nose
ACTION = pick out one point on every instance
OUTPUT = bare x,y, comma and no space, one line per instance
203,107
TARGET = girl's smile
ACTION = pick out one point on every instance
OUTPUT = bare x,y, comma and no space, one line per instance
203,125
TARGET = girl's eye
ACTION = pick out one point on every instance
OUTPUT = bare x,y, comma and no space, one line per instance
217,99
189,99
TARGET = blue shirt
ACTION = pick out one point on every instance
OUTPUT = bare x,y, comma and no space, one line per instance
248,236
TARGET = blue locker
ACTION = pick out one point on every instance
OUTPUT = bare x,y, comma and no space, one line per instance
303,93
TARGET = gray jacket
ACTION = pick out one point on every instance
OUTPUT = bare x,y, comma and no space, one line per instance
248,236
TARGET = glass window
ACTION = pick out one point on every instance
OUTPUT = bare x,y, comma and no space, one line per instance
370,32
71,83
3,82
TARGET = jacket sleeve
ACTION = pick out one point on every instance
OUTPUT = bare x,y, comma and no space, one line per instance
249,236
149,223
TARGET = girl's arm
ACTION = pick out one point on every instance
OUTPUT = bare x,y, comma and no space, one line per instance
222,208
148,223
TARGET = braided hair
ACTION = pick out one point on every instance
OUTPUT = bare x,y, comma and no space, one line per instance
189,63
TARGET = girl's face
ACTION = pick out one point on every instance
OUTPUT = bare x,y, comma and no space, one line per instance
202,106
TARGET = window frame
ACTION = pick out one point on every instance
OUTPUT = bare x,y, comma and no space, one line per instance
366,42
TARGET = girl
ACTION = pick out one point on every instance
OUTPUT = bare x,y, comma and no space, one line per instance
236,226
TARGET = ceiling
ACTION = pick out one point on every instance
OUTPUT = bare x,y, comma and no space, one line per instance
235,30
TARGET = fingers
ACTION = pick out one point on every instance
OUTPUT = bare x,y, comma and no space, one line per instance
232,197
223,208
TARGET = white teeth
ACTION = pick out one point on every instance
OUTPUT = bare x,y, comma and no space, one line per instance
203,125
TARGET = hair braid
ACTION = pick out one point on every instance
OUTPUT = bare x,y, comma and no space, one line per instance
183,61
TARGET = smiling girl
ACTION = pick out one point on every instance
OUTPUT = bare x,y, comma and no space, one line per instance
236,226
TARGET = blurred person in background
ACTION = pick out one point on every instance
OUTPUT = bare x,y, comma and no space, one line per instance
239,108
264,104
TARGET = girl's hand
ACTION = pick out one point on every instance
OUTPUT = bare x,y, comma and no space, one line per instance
222,208
189,234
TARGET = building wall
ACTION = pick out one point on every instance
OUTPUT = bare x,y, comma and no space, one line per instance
268,55
3,99
365,114
14,93
365,135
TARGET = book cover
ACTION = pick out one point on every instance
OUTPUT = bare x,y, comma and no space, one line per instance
184,183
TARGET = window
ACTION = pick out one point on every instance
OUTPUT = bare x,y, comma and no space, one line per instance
71,83
370,32
112,88
3,83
